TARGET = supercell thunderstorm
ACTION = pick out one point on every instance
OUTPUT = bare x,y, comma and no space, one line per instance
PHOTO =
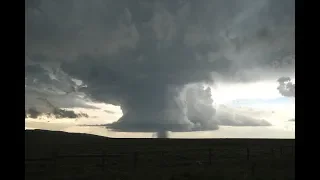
152,57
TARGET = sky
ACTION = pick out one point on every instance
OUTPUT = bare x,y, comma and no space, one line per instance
266,103
180,66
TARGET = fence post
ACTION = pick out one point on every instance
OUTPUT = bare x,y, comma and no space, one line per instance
103,161
135,159
172,177
248,153
293,147
272,152
162,158
54,161
210,156
253,168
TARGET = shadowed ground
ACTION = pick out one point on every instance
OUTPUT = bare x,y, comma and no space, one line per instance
155,158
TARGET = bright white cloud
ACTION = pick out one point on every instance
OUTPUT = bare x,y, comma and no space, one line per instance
227,92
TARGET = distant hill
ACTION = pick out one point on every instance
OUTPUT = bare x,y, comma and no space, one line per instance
38,136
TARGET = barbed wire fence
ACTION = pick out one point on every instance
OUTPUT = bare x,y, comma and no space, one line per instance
125,163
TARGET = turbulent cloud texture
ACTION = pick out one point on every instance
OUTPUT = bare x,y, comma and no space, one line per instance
286,87
141,54
56,113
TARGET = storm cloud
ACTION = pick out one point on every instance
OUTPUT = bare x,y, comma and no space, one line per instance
56,113
286,87
142,54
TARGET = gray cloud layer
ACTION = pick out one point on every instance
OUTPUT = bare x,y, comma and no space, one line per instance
140,54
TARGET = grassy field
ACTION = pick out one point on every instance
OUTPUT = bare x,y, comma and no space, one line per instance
59,155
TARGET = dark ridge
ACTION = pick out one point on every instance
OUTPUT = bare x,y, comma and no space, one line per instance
59,136
39,136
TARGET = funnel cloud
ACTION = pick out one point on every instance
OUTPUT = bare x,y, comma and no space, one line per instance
149,57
